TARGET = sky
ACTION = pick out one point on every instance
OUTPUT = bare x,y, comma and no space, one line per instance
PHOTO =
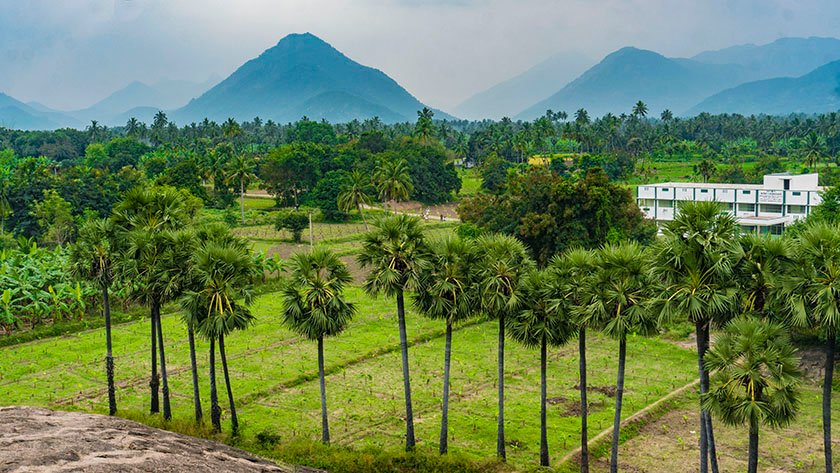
68,55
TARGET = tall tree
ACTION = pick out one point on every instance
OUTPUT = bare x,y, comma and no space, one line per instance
447,290
619,295
811,292
424,129
92,258
396,253
394,181
756,379
241,171
314,307
694,261
354,195
504,264
539,324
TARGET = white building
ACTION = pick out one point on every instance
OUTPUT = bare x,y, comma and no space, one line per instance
767,208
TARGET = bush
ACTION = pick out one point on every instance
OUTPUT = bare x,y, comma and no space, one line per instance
293,221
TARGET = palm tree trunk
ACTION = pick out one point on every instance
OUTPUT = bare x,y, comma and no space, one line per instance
325,424
444,419
409,412
362,214
710,433
167,409
500,429
215,410
752,463
234,421
619,394
584,406
704,446
109,353
194,368
831,346
242,199
154,382
543,429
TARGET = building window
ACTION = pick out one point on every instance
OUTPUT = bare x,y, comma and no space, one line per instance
665,189
646,202
746,192
746,207
666,204
704,191
796,209
796,193
747,228
770,208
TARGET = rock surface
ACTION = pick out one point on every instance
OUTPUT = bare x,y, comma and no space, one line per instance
42,440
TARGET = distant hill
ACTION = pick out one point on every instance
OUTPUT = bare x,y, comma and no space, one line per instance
785,57
304,76
630,74
815,92
510,97
18,115
164,95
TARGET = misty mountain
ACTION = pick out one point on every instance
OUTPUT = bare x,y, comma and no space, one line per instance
304,76
785,57
630,74
165,95
514,95
815,92
16,114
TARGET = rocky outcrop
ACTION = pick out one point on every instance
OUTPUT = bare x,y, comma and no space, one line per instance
42,440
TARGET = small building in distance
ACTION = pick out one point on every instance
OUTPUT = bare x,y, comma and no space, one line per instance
765,208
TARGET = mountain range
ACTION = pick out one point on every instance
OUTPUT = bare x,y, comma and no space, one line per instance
303,75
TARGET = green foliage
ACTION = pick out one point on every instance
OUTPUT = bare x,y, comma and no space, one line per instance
55,218
294,221
325,195
124,152
494,173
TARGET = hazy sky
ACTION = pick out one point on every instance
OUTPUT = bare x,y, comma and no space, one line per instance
73,53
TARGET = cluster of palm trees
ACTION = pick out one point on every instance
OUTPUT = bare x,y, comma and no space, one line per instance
754,288
150,245
391,178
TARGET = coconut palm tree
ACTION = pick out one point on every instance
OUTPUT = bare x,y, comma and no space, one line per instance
694,262
756,379
812,301
504,264
225,274
813,149
354,195
240,170
618,294
567,276
447,290
91,258
538,324
640,110
396,253
314,307
394,181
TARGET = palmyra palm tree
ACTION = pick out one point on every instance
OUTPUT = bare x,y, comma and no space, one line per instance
314,307
354,195
505,262
694,261
394,181
92,258
225,274
539,324
756,379
396,253
618,302
240,170
447,290
810,292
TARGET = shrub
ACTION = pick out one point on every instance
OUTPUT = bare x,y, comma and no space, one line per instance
293,221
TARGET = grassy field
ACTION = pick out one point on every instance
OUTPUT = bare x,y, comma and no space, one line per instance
470,181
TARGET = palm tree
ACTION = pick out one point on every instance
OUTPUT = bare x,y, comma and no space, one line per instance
91,258
447,290
132,127
756,379
314,307
640,110
241,170
396,253
619,293
694,261
567,276
759,272
813,149
538,324
354,195
394,181
146,219
706,168
225,274
424,128
811,295
504,264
